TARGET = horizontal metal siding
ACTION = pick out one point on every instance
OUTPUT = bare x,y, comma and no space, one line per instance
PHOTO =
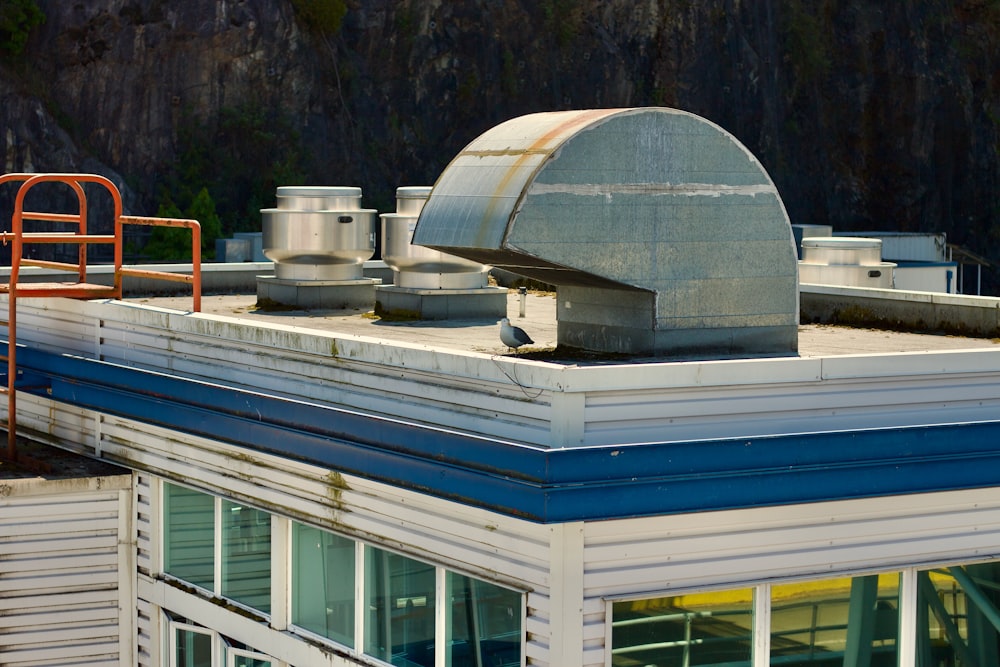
479,543
748,546
300,364
144,523
146,656
59,597
653,556
538,404
722,412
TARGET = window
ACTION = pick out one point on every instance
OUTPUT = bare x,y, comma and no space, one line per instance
191,551
697,629
243,657
483,625
189,535
192,645
246,555
399,594
824,623
957,618
836,621
323,583
366,599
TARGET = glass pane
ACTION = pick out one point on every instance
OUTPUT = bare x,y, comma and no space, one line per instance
192,649
238,658
243,661
246,555
698,629
954,609
846,621
399,594
323,583
484,619
188,535
239,654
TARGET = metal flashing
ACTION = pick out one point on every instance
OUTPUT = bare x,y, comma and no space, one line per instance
530,482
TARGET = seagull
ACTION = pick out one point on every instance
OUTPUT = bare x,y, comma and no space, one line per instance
513,337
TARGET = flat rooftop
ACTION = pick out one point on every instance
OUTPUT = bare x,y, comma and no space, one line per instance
539,321
41,463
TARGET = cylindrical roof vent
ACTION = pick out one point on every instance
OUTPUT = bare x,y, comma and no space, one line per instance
318,233
418,267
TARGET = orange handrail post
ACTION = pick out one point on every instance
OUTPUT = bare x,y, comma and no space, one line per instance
18,238
195,278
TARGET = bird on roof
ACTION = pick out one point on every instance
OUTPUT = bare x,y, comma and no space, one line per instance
513,337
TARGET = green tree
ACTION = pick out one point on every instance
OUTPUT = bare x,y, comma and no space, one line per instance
241,157
321,16
17,18
174,244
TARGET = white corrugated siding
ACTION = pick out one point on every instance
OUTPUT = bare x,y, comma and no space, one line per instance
146,653
480,543
553,405
714,549
60,582
585,405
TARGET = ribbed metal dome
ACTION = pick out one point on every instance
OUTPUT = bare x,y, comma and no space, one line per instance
662,232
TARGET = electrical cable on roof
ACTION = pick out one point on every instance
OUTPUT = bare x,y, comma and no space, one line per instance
513,379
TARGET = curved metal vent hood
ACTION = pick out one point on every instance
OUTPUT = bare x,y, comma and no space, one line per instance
662,233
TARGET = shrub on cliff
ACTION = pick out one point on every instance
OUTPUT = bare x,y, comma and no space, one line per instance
17,18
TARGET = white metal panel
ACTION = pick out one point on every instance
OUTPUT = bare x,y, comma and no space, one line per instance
654,556
623,404
59,586
462,537
747,546
146,655
509,551
472,392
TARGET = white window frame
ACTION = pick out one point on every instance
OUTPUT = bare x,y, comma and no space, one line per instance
279,617
906,641
172,628
233,653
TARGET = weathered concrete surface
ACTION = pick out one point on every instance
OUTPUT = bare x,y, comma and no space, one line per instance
901,310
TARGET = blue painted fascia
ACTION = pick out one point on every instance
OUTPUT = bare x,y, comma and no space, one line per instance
530,482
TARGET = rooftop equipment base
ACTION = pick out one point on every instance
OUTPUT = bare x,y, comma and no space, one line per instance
326,294
440,304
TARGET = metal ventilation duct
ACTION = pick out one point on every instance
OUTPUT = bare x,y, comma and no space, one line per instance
845,260
661,231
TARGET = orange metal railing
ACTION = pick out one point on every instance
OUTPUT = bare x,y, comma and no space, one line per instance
194,279
18,237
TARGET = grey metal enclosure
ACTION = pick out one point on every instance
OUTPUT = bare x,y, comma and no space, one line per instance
662,233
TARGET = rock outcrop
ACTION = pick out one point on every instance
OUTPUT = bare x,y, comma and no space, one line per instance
866,115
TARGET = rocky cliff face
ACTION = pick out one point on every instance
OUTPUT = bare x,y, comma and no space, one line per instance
866,116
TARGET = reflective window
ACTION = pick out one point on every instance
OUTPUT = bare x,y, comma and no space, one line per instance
836,622
195,646
189,535
246,555
399,597
323,583
192,646
239,657
484,624
957,617
697,629
204,535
